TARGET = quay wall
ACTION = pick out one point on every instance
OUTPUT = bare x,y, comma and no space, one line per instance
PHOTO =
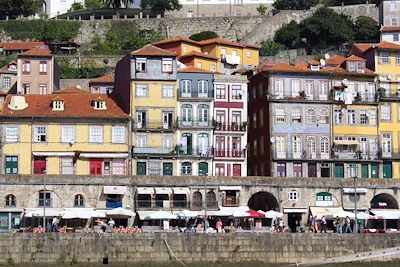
56,248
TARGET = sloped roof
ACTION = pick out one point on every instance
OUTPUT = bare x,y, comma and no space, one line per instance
363,47
151,50
71,90
198,54
388,45
335,60
176,39
226,42
315,62
20,45
5,69
42,51
193,69
354,58
390,29
103,79
75,106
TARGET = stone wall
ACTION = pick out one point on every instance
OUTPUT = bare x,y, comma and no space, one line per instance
189,248
66,83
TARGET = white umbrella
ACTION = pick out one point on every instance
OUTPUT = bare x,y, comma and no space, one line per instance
50,212
120,212
364,216
240,213
162,215
343,214
187,213
82,214
273,214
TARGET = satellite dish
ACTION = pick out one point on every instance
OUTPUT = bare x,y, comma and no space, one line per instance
345,81
322,61
389,77
272,139
327,56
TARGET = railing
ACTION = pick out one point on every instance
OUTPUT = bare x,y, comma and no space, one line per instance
195,123
195,94
153,150
300,155
163,204
356,155
234,127
230,153
197,151
153,125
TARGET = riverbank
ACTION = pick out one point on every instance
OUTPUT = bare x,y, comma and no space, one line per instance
191,249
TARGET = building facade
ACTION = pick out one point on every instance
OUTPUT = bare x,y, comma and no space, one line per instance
389,20
8,77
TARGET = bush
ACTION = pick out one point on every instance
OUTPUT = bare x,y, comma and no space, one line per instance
294,4
204,36
86,71
270,48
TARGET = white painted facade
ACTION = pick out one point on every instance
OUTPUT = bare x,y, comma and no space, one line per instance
58,7
224,2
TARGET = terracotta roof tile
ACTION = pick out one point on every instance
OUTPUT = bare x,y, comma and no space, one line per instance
75,106
103,79
42,51
193,69
151,50
390,29
388,45
354,58
363,47
20,45
315,62
3,92
335,60
198,54
71,90
176,39
226,42
302,66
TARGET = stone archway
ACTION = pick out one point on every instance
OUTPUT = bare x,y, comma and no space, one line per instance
263,201
391,202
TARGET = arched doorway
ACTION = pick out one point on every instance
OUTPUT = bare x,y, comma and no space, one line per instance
384,200
263,201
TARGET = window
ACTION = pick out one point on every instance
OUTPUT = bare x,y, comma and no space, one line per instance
12,134
386,143
186,88
68,134
186,114
99,104
278,89
352,170
393,6
384,58
309,89
11,201
58,105
338,116
197,199
324,145
6,82
394,21
203,114
118,167
223,51
43,67
42,89
26,67
395,37
236,118
280,146
154,168
295,88
363,117
203,88
293,195
141,65
141,90
186,168
323,91
167,141
96,134
385,112
311,116
11,165
324,196
311,146
199,65
118,134
296,115
167,91
248,53
167,65
280,115
219,169
281,169
44,198
296,142
212,67
236,92
26,88
79,201
141,140
324,117
220,91
40,134
351,116
67,165
398,58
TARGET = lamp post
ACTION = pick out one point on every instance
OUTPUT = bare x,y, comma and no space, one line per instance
355,205
44,200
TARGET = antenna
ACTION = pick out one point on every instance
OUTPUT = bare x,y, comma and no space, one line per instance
322,61
272,139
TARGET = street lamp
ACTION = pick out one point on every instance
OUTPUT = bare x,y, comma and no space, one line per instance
44,199
355,205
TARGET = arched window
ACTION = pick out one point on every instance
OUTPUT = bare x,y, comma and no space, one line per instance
211,199
186,88
324,117
324,199
203,114
203,145
187,114
324,145
197,199
311,146
11,201
44,198
203,88
79,201
311,116
186,168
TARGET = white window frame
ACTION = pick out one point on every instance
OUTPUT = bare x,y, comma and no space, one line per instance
68,133
118,134
141,140
38,132
385,112
118,166
280,115
95,134
311,116
167,65
43,67
141,64
384,58
11,133
67,165
167,91
142,90
293,195
351,116
296,115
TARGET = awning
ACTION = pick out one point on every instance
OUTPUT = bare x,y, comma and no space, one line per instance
145,190
120,212
181,190
39,212
156,215
389,214
229,211
324,211
104,155
358,190
114,190
346,142
294,210
16,210
163,190
186,213
53,154
82,213
230,188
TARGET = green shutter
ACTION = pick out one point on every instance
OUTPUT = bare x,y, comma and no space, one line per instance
339,170
364,171
374,171
141,168
203,168
387,170
167,168
11,165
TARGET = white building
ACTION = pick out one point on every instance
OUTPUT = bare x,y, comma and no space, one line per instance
389,20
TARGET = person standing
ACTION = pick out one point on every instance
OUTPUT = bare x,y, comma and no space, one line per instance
54,224
111,223
323,224
219,226
338,226
348,225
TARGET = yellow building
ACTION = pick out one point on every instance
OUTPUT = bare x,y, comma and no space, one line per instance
384,59
200,60
69,132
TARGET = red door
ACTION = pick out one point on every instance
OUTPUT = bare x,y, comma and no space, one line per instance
237,170
39,165
95,167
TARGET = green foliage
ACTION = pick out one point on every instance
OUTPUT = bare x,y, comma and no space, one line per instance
205,35
262,10
41,30
122,37
294,4
5,60
117,3
347,2
289,35
15,8
76,6
94,4
270,48
160,6
366,29
86,71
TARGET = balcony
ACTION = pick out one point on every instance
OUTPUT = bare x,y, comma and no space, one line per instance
153,126
203,152
196,95
232,127
230,201
350,155
153,151
303,155
230,153
195,123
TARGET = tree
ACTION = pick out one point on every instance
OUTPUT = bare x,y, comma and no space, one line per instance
94,4
76,6
160,6
118,3
294,4
261,9
347,2
288,35
366,29
15,8
203,36
270,48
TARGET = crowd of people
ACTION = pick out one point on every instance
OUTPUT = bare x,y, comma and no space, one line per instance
340,225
